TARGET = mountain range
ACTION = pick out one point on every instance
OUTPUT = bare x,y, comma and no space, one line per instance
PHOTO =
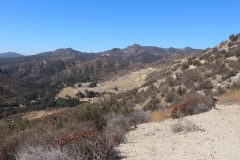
68,65
10,55
145,54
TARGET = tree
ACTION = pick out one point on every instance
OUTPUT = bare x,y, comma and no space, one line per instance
92,84
80,95
91,94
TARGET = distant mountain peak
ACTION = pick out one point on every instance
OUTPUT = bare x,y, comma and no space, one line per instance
10,55
61,52
133,48
136,45
64,49
188,47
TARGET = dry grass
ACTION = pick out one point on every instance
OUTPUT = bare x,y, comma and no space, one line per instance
230,98
59,137
40,114
185,125
192,103
160,115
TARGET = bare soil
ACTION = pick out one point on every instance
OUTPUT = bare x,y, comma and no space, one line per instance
40,114
124,83
218,138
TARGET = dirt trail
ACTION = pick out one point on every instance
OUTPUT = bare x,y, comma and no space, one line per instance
219,138
40,114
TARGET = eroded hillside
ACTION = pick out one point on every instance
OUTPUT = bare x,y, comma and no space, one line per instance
170,88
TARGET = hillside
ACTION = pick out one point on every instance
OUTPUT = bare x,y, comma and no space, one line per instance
175,73
9,90
40,67
209,72
207,135
145,54
70,64
107,97
10,55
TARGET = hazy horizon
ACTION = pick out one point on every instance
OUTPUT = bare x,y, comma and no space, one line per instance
91,52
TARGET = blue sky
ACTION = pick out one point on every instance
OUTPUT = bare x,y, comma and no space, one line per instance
33,26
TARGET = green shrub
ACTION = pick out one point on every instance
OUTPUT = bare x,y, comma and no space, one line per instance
184,66
94,114
170,97
181,91
205,84
196,63
190,61
152,104
68,103
233,37
149,83
170,81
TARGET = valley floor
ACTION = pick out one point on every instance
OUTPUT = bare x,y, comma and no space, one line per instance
124,83
219,138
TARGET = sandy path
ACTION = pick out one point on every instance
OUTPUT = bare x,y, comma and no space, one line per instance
220,139
40,114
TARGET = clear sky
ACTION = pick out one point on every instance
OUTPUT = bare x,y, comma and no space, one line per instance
33,26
